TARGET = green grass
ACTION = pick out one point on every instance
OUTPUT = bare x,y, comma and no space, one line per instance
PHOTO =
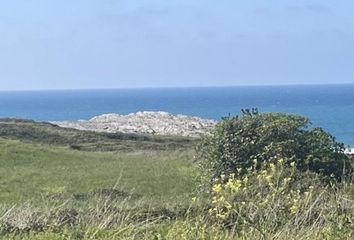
29,172
66,184
51,179
48,171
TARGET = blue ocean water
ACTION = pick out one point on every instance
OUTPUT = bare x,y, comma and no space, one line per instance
328,106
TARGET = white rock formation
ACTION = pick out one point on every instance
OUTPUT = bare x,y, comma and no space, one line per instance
349,151
147,122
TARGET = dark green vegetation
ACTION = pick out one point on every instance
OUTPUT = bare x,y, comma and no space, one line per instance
239,141
270,173
270,179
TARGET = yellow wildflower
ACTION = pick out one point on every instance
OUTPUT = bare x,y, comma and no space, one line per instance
287,180
217,188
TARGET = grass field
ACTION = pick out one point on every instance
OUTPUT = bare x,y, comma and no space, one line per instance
46,168
39,178
67,184
30,172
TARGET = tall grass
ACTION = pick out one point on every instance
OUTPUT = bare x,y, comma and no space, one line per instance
58,193
30,172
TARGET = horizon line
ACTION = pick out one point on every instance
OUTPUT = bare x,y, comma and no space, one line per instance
172,87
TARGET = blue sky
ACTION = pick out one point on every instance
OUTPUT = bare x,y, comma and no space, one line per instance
63,44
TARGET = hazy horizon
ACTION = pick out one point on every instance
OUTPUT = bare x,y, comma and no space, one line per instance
178,87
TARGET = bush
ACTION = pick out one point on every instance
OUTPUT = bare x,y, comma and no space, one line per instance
280,199
237,142
271,174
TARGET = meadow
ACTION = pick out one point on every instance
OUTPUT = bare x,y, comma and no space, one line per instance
41,179
67,184
31,172
56,169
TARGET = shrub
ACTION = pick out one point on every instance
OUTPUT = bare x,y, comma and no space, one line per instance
278,199
271,175
237,141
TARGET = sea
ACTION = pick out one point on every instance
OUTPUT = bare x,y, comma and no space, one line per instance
328,106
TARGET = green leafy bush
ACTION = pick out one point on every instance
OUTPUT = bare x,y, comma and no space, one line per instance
272,174
237,142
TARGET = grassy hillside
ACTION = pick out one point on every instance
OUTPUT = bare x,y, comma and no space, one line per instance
46,133
30,172
58,183
48,170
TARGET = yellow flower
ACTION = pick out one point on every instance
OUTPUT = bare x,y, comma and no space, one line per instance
292,164
212,210
287,180
217,188
233,185
293,209
221,199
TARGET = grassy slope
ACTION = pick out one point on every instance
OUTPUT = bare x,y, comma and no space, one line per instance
40,160
31,171
46,133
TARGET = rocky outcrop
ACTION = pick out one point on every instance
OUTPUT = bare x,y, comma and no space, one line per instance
349,151
147,122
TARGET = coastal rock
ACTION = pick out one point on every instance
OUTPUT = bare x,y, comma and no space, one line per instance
147,122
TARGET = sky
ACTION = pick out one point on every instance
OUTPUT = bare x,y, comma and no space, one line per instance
75,44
